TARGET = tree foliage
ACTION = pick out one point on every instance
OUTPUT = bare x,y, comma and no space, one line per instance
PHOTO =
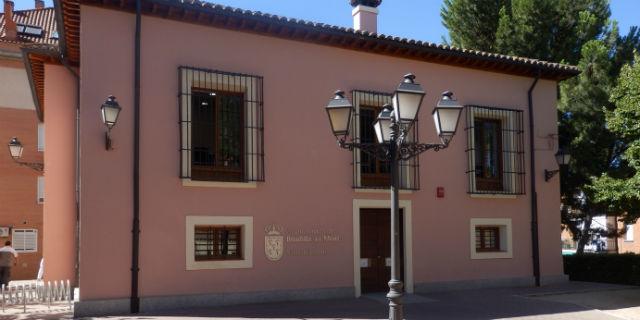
621,193
552,30
472,23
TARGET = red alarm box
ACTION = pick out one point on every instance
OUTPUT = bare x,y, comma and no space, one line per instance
440,192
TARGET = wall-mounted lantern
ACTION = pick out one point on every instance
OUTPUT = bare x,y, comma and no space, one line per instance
110,111
15,150
562,158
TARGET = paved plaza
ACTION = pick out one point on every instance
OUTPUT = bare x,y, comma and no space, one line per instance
569,301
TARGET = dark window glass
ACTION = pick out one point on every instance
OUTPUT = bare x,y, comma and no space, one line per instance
487,239
217,243
374,173
488,154
217,149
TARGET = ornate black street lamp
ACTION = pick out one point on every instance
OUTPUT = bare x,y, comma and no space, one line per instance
110,111
562,158
391,127
15,150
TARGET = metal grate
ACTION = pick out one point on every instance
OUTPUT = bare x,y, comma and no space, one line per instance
495,150
221,125
217,243
368,172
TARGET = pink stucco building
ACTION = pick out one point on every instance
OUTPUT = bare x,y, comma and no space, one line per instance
224,153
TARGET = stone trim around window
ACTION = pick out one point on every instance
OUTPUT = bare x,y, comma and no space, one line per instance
246,224
506,241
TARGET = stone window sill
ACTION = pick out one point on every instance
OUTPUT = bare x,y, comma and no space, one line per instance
219,184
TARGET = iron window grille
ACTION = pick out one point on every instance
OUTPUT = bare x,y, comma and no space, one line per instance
221,125
487,239
218,243
368,172
495,150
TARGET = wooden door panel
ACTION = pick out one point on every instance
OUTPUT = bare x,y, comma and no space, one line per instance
375,247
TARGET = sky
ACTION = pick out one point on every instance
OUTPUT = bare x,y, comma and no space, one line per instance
415,19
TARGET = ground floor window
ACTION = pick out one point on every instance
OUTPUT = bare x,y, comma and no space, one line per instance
25,240
490,238
219,242
487,238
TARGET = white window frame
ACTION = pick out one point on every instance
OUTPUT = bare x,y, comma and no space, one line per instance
510,160
41,134
40,190
20,244
628,236
249,87
506,239
246,234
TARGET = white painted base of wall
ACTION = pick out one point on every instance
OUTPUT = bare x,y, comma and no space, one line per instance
94,308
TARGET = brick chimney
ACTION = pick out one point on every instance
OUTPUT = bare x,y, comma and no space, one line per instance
10,28
39,4
365,14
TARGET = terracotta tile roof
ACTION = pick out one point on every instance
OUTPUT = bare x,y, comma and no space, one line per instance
43,18
214,15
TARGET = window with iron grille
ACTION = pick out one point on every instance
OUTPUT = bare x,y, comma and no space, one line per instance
495,150
369,172
221,126
487,238
218,243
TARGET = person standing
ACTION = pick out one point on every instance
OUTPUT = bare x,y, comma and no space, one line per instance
8,257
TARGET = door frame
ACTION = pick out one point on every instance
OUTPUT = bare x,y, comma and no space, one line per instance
405,205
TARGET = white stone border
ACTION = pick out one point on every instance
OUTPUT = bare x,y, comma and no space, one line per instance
506,240
408,240
247,242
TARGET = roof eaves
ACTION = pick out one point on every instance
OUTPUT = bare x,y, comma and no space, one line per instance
37,84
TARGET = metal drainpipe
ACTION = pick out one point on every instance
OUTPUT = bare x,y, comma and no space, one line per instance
135,236
535,246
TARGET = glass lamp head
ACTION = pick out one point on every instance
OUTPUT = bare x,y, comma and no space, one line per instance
339,112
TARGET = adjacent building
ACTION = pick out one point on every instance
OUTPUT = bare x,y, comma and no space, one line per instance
223,159
22,187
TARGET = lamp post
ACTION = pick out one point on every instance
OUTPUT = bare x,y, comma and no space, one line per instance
562,158
392,126
15,150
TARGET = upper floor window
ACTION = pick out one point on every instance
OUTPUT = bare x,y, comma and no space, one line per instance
495,150
629,233
41,136
370,172
221,126
40,190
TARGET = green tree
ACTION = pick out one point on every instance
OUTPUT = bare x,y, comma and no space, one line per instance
597,150
582,127
472,23
552,30
620,193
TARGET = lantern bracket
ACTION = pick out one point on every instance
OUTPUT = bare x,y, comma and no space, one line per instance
548,174
380,151
33,165
108,142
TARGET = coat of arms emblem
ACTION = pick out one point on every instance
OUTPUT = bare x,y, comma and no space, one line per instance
273,242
